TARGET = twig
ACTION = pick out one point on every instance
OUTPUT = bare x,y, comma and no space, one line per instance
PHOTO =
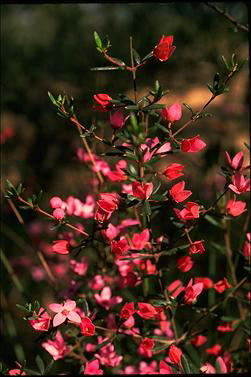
227,16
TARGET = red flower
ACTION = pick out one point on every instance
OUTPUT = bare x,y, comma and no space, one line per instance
119,247
173,171
214,350
171,114
103,101
106,206
221,285
185,263
207,283
127,310
87,327
147,311
164,49
142,190
222,365
225,327
235,208
190,212
61,247
117,120
175,354
196,247
178,193
199,340
239,185
147,344
92,367
192,145
164,368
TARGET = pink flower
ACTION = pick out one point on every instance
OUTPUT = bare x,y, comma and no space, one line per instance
105,298
42,322
221,285
58,213
237,161
56,348
185,263
173,171
192,145
175,354
61,247
96,282
235,208
207,368
103,101
119,247
127,310
164,368
196,247
240,184
192,291
141,240
178,193
172,114
107,354
145,347
148,266
246,249
175,288
147,311
16,372
142,190
66,311
164,148
164,49
190,212
92,367
110,232
199,340
117,120
222,365
56,202
87,327
214,350
79,268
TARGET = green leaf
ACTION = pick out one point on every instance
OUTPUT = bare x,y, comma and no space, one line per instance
247,146
148,56
155,106
97,40
211,89
156,188
53,99
23,308
216,80
49,366
217,367
218,247
185,364
160,348
108,68
40,364
118,61
147,208
211,220
136,56
225,63
188,107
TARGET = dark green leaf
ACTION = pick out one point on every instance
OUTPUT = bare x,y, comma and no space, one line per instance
211,220
53,99
185,364
188,107
40,364
23,308
136,56
148,56
49,366
118,61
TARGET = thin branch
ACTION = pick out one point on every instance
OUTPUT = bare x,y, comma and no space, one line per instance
228,17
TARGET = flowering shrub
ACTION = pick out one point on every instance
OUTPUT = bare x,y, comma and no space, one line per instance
126,296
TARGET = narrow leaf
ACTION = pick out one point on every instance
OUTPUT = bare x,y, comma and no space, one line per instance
97,40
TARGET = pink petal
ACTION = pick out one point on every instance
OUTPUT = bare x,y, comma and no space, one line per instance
234,189
106,293
57,308
197,288
74,317
58,319
70,305
237,160
164,148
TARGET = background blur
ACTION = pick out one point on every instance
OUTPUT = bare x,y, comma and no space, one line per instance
51,47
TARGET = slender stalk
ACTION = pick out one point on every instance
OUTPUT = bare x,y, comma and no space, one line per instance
133,72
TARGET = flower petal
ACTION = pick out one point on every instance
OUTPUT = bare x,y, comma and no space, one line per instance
70,305
58,319
74,317
57,308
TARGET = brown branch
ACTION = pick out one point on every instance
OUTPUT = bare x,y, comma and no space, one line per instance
227,16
